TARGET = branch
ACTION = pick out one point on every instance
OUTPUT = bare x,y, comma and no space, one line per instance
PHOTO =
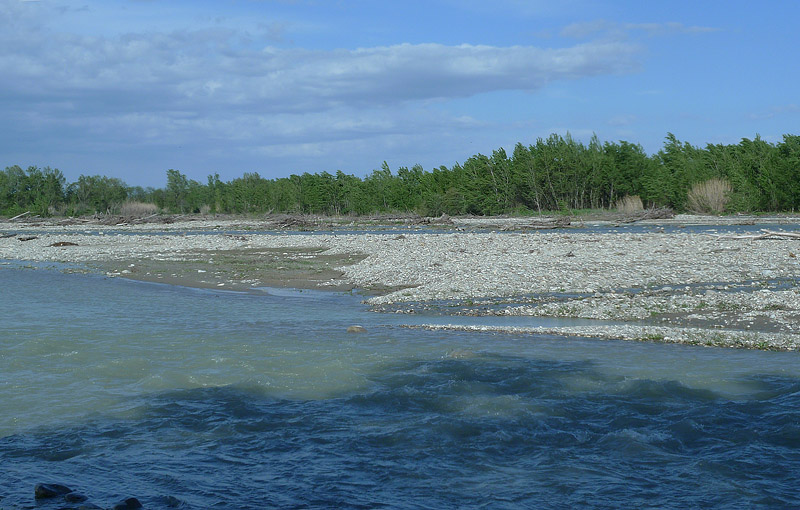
20,215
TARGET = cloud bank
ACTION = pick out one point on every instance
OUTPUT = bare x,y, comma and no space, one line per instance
213,86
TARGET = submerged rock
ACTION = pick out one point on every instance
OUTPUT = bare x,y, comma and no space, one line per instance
127,504
50,490
356,329
171,502
75,497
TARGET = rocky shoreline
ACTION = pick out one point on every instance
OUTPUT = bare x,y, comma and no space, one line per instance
695,288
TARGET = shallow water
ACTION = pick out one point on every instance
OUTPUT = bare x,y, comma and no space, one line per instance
577,228
206,399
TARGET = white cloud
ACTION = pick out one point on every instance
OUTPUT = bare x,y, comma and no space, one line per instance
776,111
622,120
206,70
669,28
211,88
613,29
586,29
182,81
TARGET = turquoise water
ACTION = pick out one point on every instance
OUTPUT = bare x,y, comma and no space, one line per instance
203,399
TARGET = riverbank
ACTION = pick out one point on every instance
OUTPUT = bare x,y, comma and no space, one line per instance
699,288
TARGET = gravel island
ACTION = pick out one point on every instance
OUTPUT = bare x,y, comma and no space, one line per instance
654,285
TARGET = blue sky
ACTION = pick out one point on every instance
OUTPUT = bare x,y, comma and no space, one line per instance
131,88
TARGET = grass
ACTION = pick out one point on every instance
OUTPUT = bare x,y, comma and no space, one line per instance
629,204
133,208
710,196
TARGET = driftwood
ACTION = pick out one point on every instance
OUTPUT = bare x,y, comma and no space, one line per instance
661,213
294,222
549,223
20,215
444,219
117,220
765,234
73,221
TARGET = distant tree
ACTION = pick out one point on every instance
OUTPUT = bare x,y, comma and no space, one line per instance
378,185
177,191
96,194
626,171
683,165
789,161
554,173
13,191
38,190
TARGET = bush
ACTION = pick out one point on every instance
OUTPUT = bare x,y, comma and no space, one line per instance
710,196
629,204
137,209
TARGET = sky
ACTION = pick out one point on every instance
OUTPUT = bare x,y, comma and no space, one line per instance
131,88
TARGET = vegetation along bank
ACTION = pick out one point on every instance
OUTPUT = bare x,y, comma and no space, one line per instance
556,173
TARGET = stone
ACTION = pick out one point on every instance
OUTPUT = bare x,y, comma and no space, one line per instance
75,497
50,490
356,329
172,502
127,504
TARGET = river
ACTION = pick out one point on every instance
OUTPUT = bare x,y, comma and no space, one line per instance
208,399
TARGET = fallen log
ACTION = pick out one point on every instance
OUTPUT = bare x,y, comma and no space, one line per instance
662,213
765,234
548,223
788,235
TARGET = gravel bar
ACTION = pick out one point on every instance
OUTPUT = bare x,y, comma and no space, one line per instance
693,288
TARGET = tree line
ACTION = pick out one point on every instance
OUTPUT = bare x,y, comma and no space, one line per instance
556,173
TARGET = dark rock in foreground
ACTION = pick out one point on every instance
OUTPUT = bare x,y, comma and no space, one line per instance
127,504
75,497
50,490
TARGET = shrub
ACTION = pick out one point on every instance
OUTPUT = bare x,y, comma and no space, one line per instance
137,209
710,196
629,204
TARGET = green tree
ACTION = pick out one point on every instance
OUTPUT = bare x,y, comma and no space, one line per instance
682,165
177,191
96,194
